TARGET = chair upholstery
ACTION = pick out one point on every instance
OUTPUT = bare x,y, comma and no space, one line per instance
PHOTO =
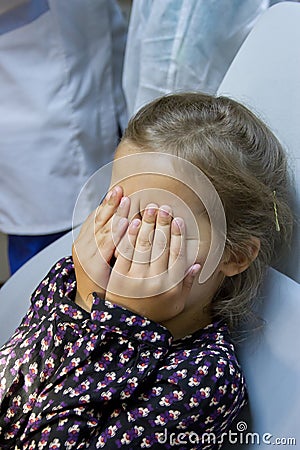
265,76
15,293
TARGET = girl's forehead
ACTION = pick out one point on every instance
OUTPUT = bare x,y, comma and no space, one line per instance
142,171
144,189
162,190
139,171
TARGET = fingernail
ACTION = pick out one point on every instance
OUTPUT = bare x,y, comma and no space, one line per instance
135,223
195,269
151,211
123,202
163,213
179,222
114,193
108,196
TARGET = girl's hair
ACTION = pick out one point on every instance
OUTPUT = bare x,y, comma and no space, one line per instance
248,168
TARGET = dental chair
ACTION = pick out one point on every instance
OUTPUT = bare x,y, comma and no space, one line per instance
265,76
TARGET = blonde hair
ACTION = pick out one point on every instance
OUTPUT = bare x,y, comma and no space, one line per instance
246,164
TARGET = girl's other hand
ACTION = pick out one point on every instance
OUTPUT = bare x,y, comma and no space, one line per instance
95,246
150,275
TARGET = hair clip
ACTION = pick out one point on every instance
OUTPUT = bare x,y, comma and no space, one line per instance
275,211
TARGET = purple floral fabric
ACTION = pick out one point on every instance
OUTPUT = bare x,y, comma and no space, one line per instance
110,378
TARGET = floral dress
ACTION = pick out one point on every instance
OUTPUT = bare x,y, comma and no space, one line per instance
70,379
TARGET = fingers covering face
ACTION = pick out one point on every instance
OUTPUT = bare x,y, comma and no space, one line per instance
177,260
105,211
154,245
103,230
110,234
143,245
161,241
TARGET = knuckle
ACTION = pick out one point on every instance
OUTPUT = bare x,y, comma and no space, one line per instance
144,243
126,251
106,231
97,215
160,245
101,240
164,221
148,219
188,283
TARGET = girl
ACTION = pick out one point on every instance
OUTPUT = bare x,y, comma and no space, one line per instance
121,346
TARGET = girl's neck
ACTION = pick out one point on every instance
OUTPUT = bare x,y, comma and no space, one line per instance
197,312
191,319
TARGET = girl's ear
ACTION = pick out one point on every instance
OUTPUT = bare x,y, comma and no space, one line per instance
240,261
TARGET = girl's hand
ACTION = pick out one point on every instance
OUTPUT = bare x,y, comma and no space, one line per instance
95,246
150,274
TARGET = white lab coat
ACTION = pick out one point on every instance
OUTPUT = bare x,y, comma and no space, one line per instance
177,45
61,104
